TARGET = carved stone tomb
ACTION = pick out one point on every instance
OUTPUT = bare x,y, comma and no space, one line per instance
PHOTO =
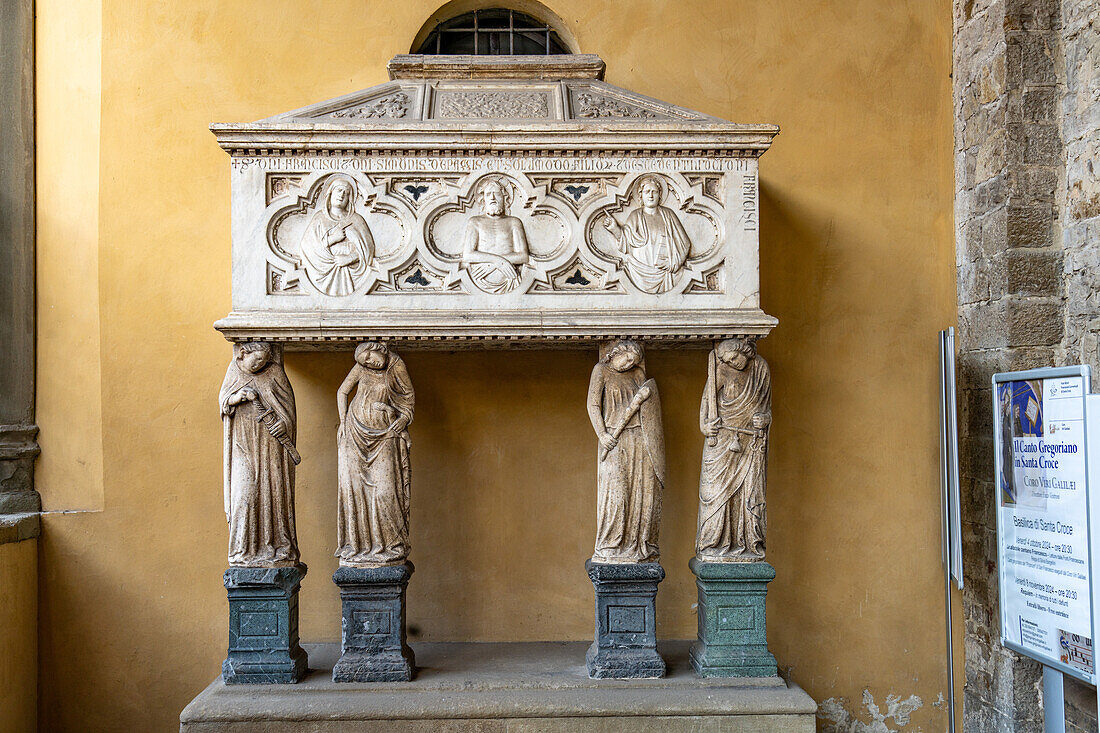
488,202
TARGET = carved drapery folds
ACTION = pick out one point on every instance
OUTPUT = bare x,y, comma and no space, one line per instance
625,409
257,408
352,235
734,417
474,200
375,404
541,205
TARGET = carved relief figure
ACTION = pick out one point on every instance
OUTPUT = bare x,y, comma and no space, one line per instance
495,243
653,242
373,459
337,247
734,416
625,411
257,407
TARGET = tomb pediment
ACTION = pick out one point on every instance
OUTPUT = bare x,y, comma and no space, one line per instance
494,200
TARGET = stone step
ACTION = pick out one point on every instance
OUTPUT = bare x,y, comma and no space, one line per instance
506,688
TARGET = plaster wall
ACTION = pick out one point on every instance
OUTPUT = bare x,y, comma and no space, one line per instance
18,636
857,263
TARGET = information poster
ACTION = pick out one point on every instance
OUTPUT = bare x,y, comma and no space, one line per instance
1043,525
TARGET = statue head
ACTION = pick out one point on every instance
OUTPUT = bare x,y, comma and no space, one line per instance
495,196
254,356
737,352
341,195
652,190
624,355
372,355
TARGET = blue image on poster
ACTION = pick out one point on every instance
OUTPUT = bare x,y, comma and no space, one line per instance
1021,408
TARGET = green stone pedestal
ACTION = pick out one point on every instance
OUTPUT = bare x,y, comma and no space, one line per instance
732,640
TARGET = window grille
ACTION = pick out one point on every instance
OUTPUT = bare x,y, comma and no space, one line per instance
493,31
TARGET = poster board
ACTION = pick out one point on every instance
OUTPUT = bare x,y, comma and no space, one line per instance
1045,516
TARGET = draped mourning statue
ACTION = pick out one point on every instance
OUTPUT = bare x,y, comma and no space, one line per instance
257,406
373,459
734,416
625,410
495,243
337,247
653,242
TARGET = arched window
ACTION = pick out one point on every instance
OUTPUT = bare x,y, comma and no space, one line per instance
493,31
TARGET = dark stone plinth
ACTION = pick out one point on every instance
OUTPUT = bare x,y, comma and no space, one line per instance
373,625
626,621
263,626
732,638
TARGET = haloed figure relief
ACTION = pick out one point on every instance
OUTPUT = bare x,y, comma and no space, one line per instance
337,247
625,410
373,459
257,406
734,416
653,242
495,243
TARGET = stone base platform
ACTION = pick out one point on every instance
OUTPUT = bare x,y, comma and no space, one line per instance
504,688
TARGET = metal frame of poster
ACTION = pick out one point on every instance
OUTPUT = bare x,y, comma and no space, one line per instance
1045,515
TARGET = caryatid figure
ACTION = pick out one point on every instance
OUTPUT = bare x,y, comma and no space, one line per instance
337,247
257,407
373,459
625,410
735,414
653,242
495,243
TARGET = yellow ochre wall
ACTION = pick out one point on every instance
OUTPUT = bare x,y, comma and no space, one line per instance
134,258
18,636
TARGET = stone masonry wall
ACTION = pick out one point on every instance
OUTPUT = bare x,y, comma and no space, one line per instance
1027,115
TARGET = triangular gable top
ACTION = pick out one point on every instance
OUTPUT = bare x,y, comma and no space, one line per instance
525,95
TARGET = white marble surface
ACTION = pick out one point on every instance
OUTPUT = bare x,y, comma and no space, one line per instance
571,156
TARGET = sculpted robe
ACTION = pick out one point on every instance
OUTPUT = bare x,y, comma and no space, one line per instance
259,472
374,474
508,237
732,521
632,475
655,247
322,261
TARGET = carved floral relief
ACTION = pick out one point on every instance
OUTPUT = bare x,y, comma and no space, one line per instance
345,234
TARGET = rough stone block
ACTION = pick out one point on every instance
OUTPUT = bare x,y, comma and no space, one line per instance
263,626
1032,272
1042,144
373,625
626,621
732,638
1039,105
1034,321
18,450
1032,15
1036,184
1030,226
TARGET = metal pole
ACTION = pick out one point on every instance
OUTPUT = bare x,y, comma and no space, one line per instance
1054,701
946,384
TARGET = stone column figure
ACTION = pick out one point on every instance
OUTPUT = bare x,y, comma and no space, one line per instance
373,459
625,410
264,575
373,517
731,575
734,416
257,406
